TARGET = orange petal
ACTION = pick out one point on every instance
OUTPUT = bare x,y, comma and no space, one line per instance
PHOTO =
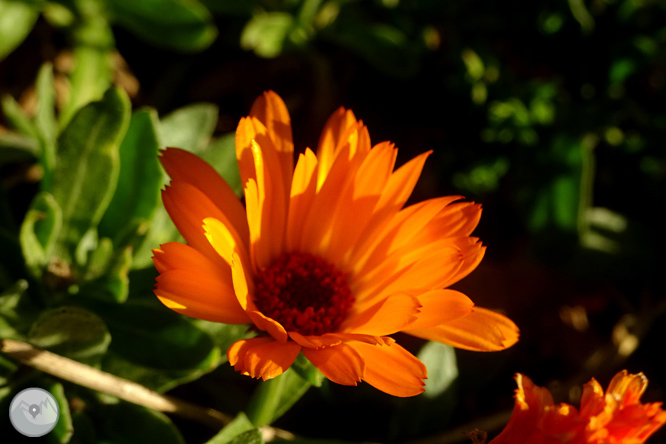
471,253
174,255
408,270
388,316
262,357
202,295
267,206
481,330
400,186
531,405
592,401
312,341
270,326
316,228
341,364
183,166
331,140
392,369
357,201
188,207
628,388
270,110
396,233
393,197
441,306
223,241
303,189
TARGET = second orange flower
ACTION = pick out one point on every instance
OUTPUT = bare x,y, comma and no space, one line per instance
323,259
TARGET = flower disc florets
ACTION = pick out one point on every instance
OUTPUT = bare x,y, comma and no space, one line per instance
304,293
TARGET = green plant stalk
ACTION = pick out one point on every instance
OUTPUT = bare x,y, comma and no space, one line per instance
265,401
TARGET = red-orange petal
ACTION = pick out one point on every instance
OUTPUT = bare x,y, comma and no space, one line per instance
481,330
188,207
183,166
200,295
174,256
262,357
392,369
341,363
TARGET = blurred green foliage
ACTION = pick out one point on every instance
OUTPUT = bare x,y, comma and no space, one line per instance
551,113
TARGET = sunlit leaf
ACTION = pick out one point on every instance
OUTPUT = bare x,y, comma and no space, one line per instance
88,164
45,122
140,178
265,33
189,127
238,431
221,154
16,22
274,397
93,71
18,117
64,429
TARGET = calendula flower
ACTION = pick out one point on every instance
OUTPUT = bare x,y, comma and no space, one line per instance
614,417
323,259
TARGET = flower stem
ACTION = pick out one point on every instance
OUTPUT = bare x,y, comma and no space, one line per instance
265,401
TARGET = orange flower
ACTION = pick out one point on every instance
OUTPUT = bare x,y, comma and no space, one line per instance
323,259
616,417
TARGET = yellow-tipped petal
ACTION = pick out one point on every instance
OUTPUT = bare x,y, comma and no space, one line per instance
481,330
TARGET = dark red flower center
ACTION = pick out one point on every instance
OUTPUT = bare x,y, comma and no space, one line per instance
304,293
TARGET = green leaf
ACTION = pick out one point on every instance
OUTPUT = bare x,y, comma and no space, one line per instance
41,227
16,147
93,69
308,371
73,332
18,117
274,397
45,122
189,127
153,345
440,359
124,423
221,154
176,24
64,429
266,33
138,192
385,47
223,335
88,164
234,430
161,231
16,22
107,271
17,313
